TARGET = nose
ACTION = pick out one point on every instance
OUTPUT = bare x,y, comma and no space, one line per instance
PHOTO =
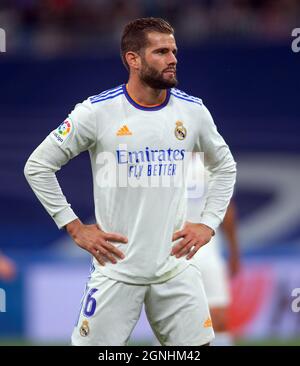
172,59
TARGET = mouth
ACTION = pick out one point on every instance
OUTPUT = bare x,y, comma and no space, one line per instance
170,72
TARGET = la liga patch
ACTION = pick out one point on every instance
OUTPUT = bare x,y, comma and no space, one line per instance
63,131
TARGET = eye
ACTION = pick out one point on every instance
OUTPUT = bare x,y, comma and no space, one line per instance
162,51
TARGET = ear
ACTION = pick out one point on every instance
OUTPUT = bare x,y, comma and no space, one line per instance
133,59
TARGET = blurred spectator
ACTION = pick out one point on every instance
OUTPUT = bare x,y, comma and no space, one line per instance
54,27
7,268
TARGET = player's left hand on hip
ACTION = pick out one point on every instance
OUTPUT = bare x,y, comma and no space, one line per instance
194,237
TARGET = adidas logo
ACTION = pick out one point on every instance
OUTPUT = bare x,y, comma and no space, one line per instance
124,131
207,323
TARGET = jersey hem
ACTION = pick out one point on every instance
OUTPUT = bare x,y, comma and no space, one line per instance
139,281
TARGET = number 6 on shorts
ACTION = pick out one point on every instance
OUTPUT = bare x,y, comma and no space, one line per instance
90,303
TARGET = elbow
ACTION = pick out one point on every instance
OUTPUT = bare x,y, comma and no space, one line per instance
230,166
233,167
28,169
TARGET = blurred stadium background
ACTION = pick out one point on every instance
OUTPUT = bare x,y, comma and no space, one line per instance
234,54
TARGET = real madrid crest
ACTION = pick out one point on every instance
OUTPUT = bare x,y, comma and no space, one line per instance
180,131
84,329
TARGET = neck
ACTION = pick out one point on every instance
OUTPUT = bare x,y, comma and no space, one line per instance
144,94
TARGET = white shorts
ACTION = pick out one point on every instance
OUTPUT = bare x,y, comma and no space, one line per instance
177,311
214,274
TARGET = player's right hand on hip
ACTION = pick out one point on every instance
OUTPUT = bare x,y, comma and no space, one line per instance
93,239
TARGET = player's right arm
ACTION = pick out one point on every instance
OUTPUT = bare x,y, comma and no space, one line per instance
76,134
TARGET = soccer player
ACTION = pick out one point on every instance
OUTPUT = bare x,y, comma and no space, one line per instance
209,259
7,268
139,136
216,276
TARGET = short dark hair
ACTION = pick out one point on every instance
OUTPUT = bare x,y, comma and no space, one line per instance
134,37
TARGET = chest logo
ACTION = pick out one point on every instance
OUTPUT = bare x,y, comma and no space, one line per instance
124,131
180,131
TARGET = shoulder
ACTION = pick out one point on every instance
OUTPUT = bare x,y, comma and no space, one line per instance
90,111
185,98
106,95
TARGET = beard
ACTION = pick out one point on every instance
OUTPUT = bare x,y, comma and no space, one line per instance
155,79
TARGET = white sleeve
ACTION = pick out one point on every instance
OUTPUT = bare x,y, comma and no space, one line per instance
76,134
222,167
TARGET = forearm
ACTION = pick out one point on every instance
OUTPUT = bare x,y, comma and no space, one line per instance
220,190
40,173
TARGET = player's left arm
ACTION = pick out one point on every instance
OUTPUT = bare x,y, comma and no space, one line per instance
222,167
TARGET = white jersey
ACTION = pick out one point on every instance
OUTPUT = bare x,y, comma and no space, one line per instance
128,145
